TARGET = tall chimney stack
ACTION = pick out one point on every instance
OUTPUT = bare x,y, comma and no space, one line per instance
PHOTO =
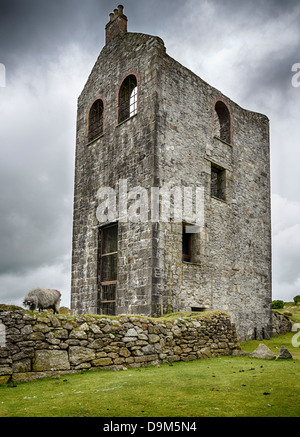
116,25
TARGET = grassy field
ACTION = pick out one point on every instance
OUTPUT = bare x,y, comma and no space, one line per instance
216,387
228,386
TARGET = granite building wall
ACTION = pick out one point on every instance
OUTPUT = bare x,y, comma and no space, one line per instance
174,141
231,256
125,151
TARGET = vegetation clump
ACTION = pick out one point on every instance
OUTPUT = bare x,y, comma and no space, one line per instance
11,308
277,304
297,299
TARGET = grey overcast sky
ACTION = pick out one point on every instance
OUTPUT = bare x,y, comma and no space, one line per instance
245,48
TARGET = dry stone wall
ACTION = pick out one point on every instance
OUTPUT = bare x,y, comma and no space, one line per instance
281,323
44,345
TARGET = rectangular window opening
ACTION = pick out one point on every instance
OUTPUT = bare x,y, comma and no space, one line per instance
218,182
108,247
186,245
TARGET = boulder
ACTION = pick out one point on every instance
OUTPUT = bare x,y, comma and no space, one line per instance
284,353
262,351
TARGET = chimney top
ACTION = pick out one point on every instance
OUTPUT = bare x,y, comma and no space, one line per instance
116,25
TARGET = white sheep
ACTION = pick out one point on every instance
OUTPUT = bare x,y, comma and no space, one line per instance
42,299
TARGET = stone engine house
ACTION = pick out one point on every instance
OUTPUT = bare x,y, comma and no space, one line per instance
146,122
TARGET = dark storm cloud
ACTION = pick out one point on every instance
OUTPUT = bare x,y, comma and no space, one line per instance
35,176
243,11
37,28
48,49
273,51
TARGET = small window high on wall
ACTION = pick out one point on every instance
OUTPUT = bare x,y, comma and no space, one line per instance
186,244
128,98
218,182
95,120
222,122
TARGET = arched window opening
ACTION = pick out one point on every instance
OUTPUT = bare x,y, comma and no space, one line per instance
128,98
95,120
222,122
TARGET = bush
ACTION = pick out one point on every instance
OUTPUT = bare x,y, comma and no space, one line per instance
297,299
277,304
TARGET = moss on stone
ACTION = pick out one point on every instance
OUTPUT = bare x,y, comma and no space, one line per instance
11,308
186,315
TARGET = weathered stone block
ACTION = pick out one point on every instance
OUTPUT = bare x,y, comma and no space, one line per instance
79,354
95,329
153,338
41,327
22,366
5,370
81,335
129,339
124,352
100,362
27,329
96,344
50,360
36,336
148,350
60,333
146,358
132,332
83,327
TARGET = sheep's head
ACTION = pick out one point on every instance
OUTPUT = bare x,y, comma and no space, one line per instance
31,305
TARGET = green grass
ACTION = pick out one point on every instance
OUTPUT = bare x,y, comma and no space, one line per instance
227,386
